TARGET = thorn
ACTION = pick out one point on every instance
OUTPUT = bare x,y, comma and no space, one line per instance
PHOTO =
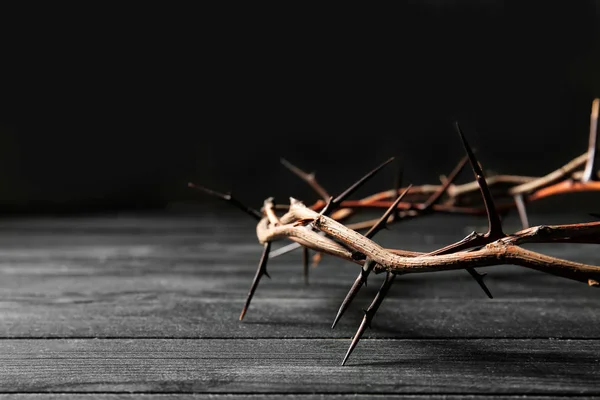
308,178
369,264
262,270
227,197
437,195
367,317
479,278
383,220
355,339
348,192
471,240
329,207
494,223
305,257
520,203
594,215
361,279
370,313
590,172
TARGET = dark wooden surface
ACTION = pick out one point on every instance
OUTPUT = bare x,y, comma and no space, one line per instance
119,306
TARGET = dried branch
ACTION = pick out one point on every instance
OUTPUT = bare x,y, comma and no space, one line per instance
501,251
551,178
320,226
333,204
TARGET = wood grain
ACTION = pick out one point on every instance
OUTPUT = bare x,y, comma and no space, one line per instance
136,314
273,396
120,287
163,294
301,366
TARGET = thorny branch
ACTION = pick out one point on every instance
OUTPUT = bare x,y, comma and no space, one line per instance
320,226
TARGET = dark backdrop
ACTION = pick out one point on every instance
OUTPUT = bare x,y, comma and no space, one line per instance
118,110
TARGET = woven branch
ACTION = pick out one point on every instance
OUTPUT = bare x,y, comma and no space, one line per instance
320,226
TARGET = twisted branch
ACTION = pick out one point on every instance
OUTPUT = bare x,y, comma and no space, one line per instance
320,226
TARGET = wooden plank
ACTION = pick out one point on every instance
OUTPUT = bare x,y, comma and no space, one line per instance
142,314
536,367
285,396
95,295
108,281
53,258
231,276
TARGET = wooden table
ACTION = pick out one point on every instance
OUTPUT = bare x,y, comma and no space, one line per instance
118,306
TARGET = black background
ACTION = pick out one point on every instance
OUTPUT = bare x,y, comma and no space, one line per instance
119,109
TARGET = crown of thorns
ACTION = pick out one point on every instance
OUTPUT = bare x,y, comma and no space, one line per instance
320,226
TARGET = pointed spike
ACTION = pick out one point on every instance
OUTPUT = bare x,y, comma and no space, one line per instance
590,172
437,195
520,203
471,240
477,170
383,220
366,312
293,168
360,280
479,278
595,215
494,223
243,313
370,312
348,192
308,178
329,207
261,270
355,339
305,269
227,197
